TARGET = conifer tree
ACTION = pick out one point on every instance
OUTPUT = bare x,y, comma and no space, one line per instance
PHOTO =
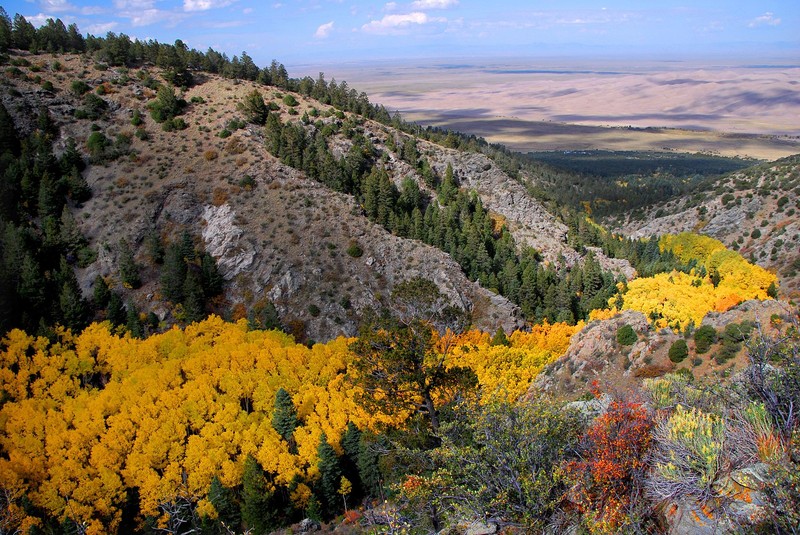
256,496
224,501
101,292
330,475
173,273
351,441
128,270
132,321
500,338
116,311
284,416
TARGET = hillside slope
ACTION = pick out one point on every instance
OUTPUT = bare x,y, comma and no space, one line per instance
276,235
754,211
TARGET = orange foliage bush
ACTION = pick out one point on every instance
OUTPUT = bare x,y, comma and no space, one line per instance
611,461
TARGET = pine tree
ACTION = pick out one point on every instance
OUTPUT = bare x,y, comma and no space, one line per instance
9,139
500,338
284,416
73,308
154,246
254,109
132,321
101,292
351,441
368,468
194,302
128,270
330,475
116,311
212,280
173,274
224,501
256,495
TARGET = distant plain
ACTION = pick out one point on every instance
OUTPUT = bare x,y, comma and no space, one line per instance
718,106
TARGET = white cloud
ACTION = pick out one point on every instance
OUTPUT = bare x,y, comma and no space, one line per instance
38,20
390,6
134,5
146,17
101,29
56,5
767,19
398,23
204,5
324,30
433,4
247,10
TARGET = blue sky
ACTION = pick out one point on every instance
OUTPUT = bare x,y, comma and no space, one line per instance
310,31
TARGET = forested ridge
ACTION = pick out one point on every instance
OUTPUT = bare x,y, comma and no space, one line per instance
112,421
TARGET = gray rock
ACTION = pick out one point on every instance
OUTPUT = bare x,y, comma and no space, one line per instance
479,528
308,525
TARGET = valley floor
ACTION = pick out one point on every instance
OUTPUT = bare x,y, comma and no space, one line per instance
560,104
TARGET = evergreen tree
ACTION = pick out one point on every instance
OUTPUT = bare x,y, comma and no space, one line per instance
132,321
351,446
116,311
73,308
330,475
224,501
154,246
101,292
368,465
5,33
500,338
212,279
254,108
256,496
194,303
173,274
284,416
128,270
9,139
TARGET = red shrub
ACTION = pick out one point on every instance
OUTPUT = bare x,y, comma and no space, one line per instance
612,456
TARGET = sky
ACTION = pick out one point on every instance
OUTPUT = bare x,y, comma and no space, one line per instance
297,32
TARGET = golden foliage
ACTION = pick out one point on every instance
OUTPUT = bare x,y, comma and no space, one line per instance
92,415
677,299
507,372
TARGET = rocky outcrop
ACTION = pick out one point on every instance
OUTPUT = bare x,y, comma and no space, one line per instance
595,355
222,240
755,311
739,505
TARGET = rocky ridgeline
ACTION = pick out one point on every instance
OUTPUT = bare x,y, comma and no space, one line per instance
276,235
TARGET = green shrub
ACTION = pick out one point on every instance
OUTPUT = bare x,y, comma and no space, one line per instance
289,100
755,234
314,310
626,335
686,454
678,351
247,182
355,250
704,337
136,118
97,143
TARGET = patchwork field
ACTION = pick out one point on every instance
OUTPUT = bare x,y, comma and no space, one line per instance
726,109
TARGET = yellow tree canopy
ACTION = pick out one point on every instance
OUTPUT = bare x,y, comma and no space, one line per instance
90,416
